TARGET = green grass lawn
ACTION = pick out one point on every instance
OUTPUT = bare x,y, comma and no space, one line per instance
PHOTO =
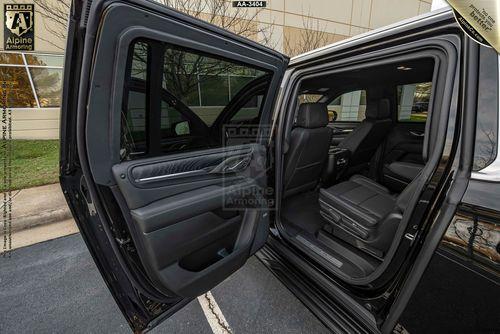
34,163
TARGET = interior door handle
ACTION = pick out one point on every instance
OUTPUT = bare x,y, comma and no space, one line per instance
242,164
416,134
233,165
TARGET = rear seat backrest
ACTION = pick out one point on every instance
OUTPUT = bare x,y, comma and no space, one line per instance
364,140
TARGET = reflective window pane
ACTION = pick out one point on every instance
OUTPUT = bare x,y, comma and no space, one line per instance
348,107
48,82
139,61
413,101
19,93
11,58
485,150
45,60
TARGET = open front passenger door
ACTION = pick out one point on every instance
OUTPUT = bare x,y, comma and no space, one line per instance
167,208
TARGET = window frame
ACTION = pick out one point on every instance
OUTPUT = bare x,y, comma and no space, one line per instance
154,83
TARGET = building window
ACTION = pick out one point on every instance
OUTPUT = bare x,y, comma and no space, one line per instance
36,79
19,91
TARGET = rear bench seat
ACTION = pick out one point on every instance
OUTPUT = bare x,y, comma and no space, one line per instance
363,213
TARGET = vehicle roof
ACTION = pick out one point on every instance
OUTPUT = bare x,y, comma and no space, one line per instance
444,14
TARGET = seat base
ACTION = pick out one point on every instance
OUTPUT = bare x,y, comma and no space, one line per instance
357,207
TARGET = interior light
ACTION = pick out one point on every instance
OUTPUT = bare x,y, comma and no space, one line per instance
403,68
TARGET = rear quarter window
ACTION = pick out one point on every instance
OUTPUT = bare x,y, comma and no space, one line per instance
486,143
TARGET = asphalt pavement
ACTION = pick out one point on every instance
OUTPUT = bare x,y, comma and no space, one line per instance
54,287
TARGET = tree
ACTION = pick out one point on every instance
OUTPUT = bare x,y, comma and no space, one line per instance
55,14
241,21
310,37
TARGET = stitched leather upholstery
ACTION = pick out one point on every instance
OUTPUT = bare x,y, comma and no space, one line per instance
364,213
359,199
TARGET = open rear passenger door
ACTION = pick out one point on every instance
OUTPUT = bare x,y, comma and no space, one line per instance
167,209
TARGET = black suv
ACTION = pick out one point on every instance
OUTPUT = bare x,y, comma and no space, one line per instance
364,174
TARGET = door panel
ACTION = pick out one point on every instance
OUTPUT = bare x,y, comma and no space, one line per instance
181,209
167,207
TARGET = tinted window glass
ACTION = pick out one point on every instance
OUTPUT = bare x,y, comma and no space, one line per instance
139,61
485,150
413,101
250,111
348,107
174,109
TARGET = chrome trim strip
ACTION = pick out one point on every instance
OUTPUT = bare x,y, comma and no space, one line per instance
492,171
170,176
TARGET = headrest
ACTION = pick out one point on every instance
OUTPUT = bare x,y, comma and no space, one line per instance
312,115
379,109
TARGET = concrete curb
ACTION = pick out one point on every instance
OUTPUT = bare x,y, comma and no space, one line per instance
41,218
38,206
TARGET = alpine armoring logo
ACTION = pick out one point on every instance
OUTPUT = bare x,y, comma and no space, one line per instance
19,28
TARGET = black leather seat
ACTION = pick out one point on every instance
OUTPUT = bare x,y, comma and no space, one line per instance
364,140
398,174
308,149
364,213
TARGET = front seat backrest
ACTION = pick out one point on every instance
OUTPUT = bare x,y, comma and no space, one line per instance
364,140
309,145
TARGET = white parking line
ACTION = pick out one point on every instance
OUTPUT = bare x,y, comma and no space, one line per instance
214,315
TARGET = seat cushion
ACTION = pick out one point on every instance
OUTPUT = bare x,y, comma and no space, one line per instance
358,204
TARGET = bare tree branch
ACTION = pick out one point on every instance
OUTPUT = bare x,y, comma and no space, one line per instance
311,36
55,14
218,12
